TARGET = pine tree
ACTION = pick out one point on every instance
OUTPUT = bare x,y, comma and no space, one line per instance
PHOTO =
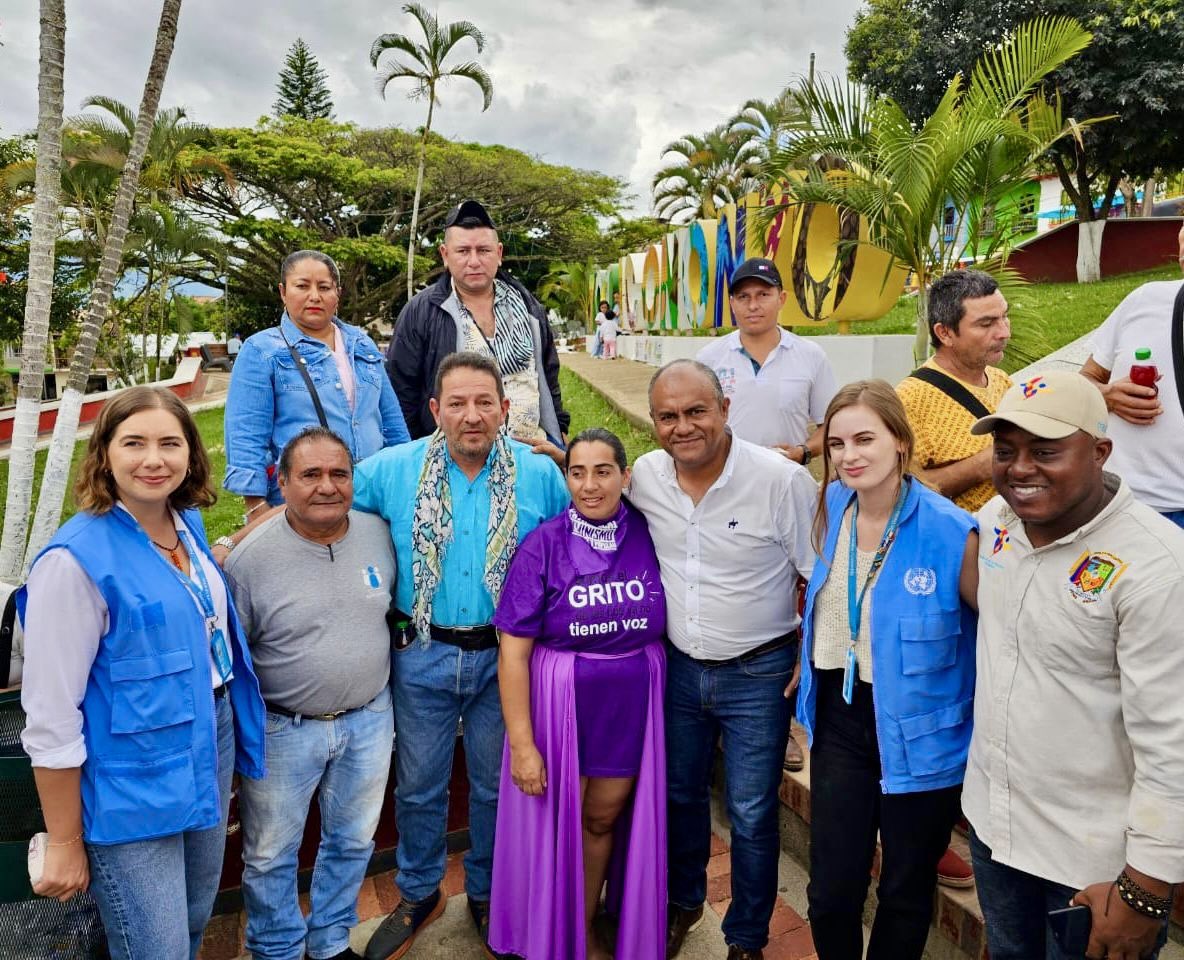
302,89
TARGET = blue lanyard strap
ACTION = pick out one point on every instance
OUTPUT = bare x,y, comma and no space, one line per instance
198,586
855,597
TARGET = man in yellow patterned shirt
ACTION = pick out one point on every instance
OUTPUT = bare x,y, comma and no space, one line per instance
969,329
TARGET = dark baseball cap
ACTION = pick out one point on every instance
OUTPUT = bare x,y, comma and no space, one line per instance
469,213
757,268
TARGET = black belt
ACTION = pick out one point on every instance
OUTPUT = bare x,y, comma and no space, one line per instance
285,712
767,647
220,691
483,637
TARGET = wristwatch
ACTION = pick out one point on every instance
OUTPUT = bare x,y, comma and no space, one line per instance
806,455
224,542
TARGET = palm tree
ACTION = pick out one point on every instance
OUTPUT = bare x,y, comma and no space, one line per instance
57,466
982,141
703,172
568,288
427,72
767,122
39,298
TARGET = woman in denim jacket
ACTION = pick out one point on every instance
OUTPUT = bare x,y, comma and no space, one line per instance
887,679
269,400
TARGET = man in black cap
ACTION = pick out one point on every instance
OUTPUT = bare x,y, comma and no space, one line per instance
779,383
476,306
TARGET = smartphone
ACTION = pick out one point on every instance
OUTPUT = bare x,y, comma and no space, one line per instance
1071,926
37,847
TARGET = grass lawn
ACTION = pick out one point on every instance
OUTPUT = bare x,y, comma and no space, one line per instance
222,518
589,409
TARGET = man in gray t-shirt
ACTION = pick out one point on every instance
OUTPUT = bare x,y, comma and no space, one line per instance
312,585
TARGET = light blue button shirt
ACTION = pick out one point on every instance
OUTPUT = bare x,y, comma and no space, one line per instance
385,484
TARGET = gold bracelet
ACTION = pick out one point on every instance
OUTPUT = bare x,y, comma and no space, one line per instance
63,843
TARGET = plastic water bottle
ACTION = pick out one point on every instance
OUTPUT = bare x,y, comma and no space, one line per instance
1143,372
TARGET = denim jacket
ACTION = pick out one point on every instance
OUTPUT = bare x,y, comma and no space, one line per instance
269,403
922,640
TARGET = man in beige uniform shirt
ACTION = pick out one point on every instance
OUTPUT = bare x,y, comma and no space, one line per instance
1075,782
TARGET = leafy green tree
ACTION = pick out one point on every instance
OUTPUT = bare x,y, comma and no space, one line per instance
303,88
909,49
568,289
346,191
426,72
869,158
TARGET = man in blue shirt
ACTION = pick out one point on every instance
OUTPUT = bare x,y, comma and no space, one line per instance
458,502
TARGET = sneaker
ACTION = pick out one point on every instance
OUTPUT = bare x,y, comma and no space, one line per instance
479,911
743,953
794,758
398,931
953,871
679,923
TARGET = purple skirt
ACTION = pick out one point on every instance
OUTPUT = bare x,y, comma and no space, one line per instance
612,702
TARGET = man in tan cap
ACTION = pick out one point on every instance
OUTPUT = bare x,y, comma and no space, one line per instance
1075,782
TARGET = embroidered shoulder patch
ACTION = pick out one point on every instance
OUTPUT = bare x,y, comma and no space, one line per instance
1093,574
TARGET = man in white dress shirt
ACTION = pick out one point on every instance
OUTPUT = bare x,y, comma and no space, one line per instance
730,522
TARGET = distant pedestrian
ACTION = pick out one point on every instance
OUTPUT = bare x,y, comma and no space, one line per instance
233,345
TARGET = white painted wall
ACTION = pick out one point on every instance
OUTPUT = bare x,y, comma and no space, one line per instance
853,357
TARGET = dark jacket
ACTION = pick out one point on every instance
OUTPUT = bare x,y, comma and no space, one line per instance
429,328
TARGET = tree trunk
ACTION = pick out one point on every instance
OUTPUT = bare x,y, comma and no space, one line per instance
1089,250
162,322
57,467
921,343
423,150
39,295
1127,189
1149,196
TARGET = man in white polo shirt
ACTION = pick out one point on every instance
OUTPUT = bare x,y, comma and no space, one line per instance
779,384
730,523
1075,782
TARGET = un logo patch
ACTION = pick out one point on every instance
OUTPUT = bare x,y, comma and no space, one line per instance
920,581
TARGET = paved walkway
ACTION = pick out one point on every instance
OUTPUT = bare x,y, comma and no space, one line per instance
452,936
623,383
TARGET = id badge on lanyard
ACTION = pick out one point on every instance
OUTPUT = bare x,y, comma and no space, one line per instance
199,587
856,596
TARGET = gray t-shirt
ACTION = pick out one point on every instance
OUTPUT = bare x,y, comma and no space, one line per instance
314,614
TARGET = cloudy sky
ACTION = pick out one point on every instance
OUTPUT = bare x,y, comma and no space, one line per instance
597,84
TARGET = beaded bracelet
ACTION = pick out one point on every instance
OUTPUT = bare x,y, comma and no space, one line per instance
1143,901
63,843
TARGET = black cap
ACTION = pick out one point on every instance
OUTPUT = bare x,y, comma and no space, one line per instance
469,213
757,268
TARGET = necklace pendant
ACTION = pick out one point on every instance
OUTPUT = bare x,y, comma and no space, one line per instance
176,560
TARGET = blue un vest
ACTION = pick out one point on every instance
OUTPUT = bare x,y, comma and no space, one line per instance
922,641
148,716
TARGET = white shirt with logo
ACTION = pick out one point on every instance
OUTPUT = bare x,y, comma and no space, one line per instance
1077,761
730,563
776,404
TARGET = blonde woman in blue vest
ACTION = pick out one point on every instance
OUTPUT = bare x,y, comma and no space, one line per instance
887,679
138,687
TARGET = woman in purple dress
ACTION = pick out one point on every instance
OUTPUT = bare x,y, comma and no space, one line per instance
581,669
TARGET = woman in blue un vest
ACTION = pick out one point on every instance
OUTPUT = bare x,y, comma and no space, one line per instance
887,679
138,687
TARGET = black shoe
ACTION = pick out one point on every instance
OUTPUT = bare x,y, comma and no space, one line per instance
479,911
346,954
742,953
679,923
398,931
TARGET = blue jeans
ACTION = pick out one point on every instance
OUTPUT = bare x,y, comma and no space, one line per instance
1015,909
156,896
1176,516
744,703
435,685
349,759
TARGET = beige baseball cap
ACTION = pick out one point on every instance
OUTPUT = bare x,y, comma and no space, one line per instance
1052,406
